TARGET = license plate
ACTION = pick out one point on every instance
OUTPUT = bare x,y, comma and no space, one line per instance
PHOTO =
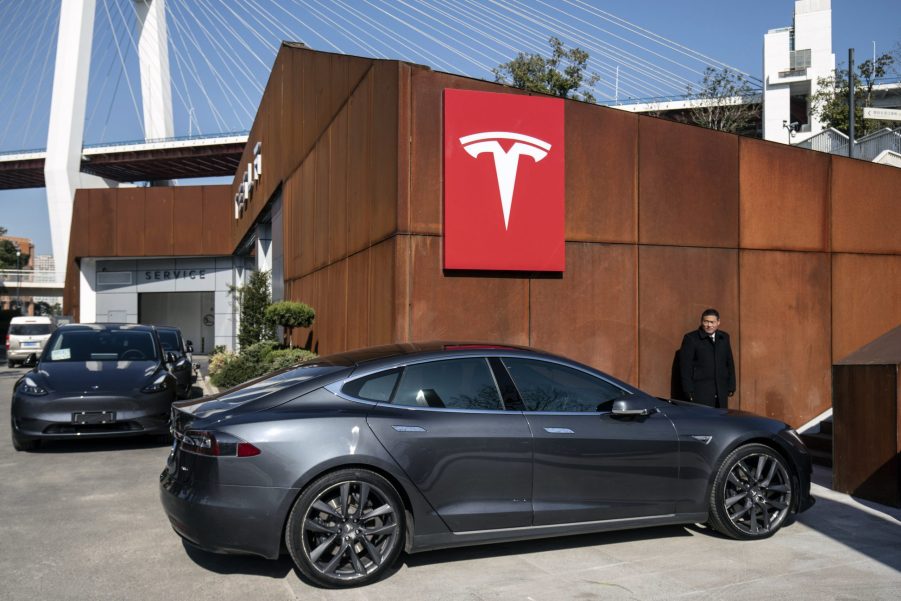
84,418
31,344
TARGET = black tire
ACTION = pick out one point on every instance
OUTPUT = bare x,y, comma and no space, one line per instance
25,444
10,363
346,529
752,493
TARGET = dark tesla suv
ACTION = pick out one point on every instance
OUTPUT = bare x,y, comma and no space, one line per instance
349,459
94,380
173,342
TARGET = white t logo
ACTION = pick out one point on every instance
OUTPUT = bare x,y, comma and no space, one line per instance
505,163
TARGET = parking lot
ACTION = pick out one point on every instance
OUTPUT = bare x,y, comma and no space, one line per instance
82,520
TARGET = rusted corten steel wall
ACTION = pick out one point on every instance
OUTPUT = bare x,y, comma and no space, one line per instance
146,222
799,251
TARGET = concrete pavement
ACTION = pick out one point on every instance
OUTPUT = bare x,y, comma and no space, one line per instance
82,520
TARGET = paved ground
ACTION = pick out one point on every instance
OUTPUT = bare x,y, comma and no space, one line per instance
83,521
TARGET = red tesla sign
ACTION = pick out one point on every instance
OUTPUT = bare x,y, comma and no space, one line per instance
504,184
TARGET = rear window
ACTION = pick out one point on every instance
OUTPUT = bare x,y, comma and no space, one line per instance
265,386
29,329
101,345
169,340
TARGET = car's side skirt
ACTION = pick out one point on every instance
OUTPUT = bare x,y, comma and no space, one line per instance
429,542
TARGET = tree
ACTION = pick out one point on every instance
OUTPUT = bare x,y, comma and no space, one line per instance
721,101
290,315
253,298
830,101
8,253
536,73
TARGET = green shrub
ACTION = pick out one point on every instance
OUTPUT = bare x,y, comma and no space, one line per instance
253,298
219,348
287,357
219,360
254,361
290,315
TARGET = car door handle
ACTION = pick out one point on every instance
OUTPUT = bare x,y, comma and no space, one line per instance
558,431
408,428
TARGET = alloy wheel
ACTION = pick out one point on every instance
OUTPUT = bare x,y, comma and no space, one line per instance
757,494
350,530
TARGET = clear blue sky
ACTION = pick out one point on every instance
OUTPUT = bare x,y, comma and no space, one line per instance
730,32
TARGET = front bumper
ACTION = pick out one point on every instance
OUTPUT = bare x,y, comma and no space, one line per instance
50,417
225,518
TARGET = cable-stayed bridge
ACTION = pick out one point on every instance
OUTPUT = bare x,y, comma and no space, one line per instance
220,53
180,76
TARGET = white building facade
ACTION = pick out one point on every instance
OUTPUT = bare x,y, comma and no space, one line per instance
793,59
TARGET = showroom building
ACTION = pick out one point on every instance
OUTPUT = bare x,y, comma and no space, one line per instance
406,204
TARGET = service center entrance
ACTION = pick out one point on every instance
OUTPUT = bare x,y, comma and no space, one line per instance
193,313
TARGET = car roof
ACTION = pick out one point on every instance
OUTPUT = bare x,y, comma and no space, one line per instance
99,327
392,352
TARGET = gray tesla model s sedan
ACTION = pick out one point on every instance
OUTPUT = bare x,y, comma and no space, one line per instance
350,459
94,380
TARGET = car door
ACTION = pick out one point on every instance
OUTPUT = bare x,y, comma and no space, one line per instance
446,427
590,464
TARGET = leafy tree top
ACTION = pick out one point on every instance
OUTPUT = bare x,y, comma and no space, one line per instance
563,74
719,105
830,101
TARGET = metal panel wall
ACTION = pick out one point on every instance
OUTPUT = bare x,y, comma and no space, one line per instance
663,221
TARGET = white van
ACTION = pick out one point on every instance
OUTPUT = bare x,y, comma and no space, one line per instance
26,338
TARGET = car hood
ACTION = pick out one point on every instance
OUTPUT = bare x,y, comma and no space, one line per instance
97,377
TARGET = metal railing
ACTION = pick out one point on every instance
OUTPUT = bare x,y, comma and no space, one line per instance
32,276
866,148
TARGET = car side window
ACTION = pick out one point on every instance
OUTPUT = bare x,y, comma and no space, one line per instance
546,386
453,384
376,387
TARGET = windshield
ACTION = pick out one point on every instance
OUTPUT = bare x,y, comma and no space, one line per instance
29,329
101,345
169,340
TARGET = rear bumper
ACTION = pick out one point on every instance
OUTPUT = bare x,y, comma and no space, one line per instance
225,518
22,354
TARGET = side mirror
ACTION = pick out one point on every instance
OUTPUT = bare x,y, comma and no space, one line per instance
189,346
624,408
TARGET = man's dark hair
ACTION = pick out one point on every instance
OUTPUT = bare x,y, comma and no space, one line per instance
713,312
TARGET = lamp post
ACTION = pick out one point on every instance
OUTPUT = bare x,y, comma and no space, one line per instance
18,281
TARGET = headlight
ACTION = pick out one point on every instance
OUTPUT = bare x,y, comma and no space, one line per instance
29,386
159,384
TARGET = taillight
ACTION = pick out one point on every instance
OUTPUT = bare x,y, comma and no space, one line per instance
7,342
216,444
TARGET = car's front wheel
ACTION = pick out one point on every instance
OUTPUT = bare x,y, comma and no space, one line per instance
346,528
752,493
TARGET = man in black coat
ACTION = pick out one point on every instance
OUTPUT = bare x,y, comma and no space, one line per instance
705,363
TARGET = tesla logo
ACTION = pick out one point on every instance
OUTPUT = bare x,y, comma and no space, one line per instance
517,151
505,163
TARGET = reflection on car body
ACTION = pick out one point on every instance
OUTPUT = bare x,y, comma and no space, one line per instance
352,458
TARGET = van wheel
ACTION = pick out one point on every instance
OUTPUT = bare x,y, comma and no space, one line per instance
10,363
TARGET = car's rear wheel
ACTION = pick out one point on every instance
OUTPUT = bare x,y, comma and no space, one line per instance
10,363
346,528
752,493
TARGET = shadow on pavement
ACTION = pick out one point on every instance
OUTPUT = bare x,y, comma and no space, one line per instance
876,535
93,445
239,564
